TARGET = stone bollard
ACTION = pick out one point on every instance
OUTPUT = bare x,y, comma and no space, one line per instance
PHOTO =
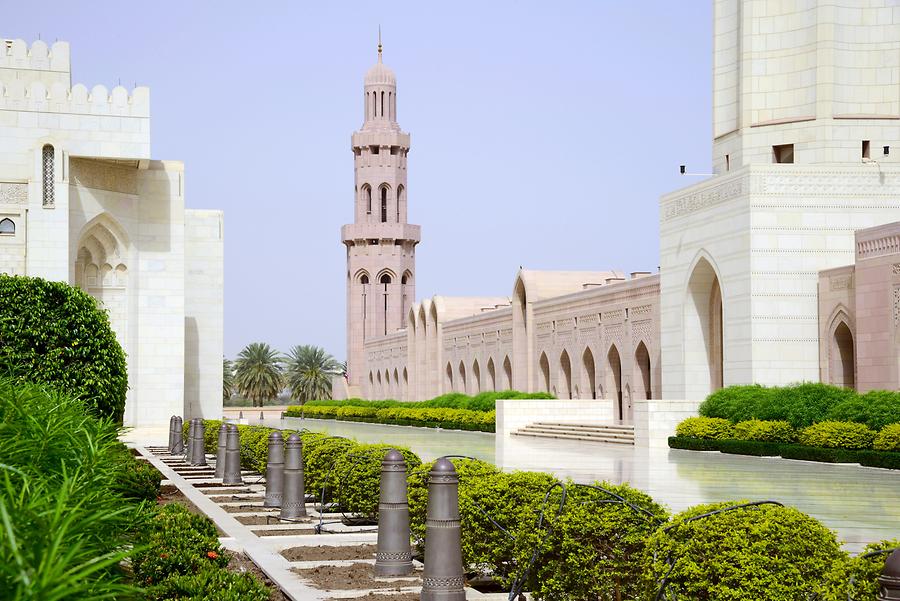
178,441
240,415
220,451
889,580
275,471
172,421
189,448
261,417
393,557
443,579
293,502
232,473
198,456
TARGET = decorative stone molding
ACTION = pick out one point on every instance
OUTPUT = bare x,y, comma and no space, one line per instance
887,245
831,183
896,268
642,310
641,330
896,306
13,193
842,282
103,176
702,199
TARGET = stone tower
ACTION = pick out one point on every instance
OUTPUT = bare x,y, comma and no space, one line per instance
381,245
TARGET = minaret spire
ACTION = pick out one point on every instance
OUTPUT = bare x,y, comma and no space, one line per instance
379,43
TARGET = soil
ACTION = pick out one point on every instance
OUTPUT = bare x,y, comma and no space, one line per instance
327,553
232,499
377,597
285,532
260,520
251,509
357,576
242,563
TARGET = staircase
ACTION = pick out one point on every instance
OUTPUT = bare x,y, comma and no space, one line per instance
608,433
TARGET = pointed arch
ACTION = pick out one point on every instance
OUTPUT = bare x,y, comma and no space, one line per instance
366,198
448,382
565,366
398,391
476,377
361,276
614,380
383,190
462,378
401,202
703,327
589,371
404,390
507,374
492,375
544,364
7,227
644,389
842,355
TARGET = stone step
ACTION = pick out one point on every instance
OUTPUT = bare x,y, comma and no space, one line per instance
584,437
586,426
615,435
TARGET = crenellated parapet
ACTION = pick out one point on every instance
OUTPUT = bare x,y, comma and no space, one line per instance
17,96
15,54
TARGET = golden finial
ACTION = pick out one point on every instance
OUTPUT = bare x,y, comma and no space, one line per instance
379,43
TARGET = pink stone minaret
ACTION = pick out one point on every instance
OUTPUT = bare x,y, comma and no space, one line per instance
381,245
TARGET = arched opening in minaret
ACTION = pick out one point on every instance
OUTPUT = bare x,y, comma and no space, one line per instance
367,198
384,210
401,200
385,280
382,104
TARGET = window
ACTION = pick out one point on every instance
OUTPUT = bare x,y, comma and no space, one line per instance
383,205
783,153
865,149
7,227
374,149
367,192
363,279
385,279
47,159
382,104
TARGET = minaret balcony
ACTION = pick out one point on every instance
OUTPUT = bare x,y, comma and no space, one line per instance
381,231
380,137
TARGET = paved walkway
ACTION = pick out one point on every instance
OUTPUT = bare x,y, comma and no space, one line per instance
861,504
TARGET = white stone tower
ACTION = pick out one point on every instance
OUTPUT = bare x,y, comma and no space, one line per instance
381,245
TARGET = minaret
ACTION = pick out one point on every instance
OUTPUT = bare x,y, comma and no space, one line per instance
381,245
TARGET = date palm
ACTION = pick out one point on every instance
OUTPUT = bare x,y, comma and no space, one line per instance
227,378
309,371
258,374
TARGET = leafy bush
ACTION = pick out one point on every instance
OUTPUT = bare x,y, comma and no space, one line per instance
858,578
756,448
140,481
211,585
355,480
763,552
888,439
736,403
837,435
484,401
592,548
705,427
876,409
402,414
800,405
67,521
693,444
52,333
765,431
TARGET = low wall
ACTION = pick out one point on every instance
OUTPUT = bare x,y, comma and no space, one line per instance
655,420
513,414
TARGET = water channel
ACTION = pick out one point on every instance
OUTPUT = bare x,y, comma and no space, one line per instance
861,504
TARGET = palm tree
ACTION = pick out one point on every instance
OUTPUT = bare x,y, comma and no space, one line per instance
227,378
309,373
258,373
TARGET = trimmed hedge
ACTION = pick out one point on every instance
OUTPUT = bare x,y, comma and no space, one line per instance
888,439
55,334
837,435
763,552
765,431
882,459
712,428
484,401
449,419
803,405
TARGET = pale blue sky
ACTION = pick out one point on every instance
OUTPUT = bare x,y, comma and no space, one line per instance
543,133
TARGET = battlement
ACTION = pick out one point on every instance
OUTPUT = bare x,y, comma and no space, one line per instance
16,96
15,54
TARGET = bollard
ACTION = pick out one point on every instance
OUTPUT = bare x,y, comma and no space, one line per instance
889,580
393,557
178,443
220,452
261,418
443,579
189,447
232,473
293,502
275,471
172,421
198,456
240,415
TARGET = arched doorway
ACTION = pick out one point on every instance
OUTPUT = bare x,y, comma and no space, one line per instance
476,377
565,366
642,362
463,383
843,363
703,331
448,383
614,377
589,373
507,374
545,372
492,375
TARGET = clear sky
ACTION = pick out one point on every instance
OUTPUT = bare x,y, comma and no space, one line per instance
543,133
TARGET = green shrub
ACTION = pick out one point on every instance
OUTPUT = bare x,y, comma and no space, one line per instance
55,334
764,552
355,480
825,455
346,412
765,431
210,585
693,444
736,403
705,427
876,409
888,439
756,448
858,580
591,550
883,459
837,435
320,460
140,481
